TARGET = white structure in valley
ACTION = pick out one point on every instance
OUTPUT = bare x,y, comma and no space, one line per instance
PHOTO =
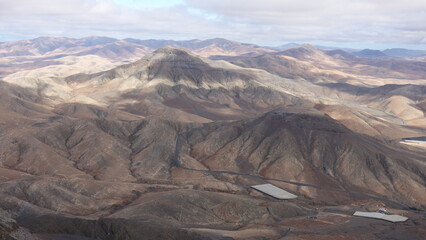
390,218
414,140
274,191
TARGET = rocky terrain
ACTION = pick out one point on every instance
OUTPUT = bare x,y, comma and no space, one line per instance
167,146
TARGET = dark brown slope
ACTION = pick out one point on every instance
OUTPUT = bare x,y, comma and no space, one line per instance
170,63
305,147
20,105
76,173
176,64
310,148
10,230
422,106
122,178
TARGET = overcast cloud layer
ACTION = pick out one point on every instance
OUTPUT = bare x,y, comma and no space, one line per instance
376,23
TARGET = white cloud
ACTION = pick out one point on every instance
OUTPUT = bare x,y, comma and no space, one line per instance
268,21
381,21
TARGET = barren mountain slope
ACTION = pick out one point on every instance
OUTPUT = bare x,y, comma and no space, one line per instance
69,173
151,149
357,86
169,83
402,101
175,83
316,65
310,148
72,172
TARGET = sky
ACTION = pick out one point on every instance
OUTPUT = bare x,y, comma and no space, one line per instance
376,24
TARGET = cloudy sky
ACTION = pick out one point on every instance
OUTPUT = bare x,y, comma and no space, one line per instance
345,23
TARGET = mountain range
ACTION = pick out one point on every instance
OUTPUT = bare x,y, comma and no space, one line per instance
116,139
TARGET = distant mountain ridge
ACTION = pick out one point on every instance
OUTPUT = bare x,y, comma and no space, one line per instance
369,53
401,52
43,45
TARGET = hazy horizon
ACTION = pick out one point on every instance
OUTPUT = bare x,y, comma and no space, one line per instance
355,24
337,46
